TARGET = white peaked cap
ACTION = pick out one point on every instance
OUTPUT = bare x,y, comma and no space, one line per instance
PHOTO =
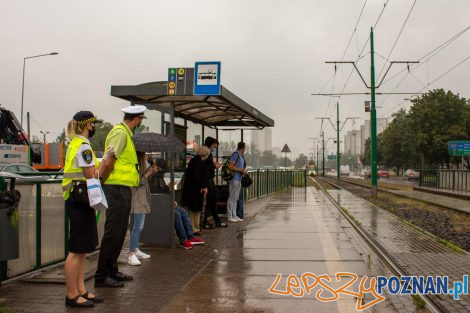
134,109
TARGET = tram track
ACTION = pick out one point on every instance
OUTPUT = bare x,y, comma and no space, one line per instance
431,304
389,190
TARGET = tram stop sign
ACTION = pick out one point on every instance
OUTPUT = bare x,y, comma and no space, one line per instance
207,78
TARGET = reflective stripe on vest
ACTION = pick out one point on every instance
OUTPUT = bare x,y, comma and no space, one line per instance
71,170
125,171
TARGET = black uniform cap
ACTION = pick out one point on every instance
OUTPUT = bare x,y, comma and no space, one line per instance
84,117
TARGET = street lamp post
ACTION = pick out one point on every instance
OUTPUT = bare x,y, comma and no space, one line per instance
24,69
44,135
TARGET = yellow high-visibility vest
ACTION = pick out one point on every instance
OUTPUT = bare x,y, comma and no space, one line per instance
71,170
125,171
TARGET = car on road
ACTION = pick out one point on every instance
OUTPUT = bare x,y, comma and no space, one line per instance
344,170
411,174
22,169
383,174
380,174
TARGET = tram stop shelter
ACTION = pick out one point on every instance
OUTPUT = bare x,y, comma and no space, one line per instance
225,111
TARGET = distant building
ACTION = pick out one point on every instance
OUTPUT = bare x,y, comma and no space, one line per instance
277,151
355,140
262,139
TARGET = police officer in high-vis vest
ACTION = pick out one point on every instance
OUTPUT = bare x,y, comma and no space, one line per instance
120,174
80,164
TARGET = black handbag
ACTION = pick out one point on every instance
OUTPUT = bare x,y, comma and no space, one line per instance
79,193
246,181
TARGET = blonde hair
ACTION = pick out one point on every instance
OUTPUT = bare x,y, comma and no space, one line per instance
74,128
203,150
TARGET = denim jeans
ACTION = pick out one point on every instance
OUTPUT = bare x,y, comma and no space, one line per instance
183,227
234,187
240,204
139,220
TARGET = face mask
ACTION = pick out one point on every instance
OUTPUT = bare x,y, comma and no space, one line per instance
213,151
91,132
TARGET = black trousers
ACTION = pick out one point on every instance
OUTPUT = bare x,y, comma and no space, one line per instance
117,220
211,204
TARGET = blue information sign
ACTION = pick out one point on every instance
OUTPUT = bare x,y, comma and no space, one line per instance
459,148
207,78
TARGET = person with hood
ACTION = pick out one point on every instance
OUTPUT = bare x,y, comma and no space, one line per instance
211,200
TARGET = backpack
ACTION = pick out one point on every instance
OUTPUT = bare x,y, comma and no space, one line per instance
225,172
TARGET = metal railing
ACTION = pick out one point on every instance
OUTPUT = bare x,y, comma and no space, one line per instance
269,181
429,178
266,182
43,221
458,180
43,228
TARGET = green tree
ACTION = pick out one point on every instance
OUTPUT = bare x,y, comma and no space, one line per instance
98,140
398,143
269,159
301,161
437,117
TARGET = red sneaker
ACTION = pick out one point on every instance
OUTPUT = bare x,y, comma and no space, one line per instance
187,245
197,241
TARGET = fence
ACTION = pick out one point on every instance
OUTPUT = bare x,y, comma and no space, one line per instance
446,179
42,227
269,181
43,221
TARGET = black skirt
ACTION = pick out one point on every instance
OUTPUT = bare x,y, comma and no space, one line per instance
83,231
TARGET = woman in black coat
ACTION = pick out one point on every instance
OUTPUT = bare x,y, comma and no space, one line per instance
195,187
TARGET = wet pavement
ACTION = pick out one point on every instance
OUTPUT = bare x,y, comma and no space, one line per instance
295,234
419,253
292,232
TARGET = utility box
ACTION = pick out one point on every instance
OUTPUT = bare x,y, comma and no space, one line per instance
9,219
157,230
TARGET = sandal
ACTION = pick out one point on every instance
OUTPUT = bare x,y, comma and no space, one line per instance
73,303
95,299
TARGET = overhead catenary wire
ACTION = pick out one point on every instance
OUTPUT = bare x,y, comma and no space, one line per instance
430,83
428,56
398,36
346,49
431,53
360,56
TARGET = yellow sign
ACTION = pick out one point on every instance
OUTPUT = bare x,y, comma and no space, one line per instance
171,92
172,85
181,71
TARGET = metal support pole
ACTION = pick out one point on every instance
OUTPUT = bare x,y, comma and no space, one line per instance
373,121
338,154
22,91
316,161
202,136
28,125
38,225
172,174
323,148
3,264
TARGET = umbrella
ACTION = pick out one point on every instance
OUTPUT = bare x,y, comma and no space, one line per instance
153,142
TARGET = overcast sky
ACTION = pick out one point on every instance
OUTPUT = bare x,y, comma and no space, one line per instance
272,54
